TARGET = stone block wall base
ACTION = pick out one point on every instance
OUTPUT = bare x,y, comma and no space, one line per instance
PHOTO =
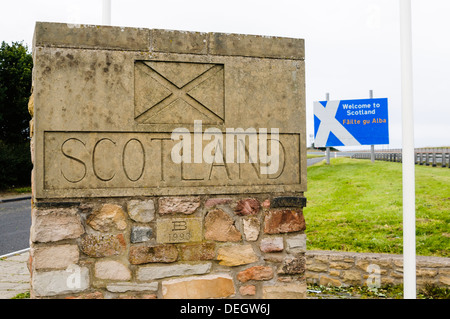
202,247
370,269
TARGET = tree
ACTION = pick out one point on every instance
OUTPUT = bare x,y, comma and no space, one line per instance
16,65
15,84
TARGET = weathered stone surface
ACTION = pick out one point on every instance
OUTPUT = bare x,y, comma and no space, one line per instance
249,206
445,280
153,254
266,203
318,266
90,295
132,286
219,226
340,265
296,244
102,245
271,244
284,221
285,291
252,226
255,273
90,36
140,234
328,281
142,211
149,273
108,218
179,41
195,252
179,230
111,270
98,141
199,287
183,205
236,255
249,45
351,276
293,265
248,290
55,257
58,282
55,224
140,296
288,201
211,202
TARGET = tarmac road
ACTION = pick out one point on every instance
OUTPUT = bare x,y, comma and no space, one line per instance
15,222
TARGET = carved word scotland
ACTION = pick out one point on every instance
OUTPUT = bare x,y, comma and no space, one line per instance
99,160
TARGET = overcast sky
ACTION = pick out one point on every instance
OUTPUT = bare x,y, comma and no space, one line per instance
352,46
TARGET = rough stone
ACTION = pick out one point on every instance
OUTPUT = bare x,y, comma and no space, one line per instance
59,282
211,202
255,273
251,228
55,224
284,221
90,295
132,286
55,257
197,252
445,280
296,244
183,205
236,255
153,254
140,296
271,244
328,281
111,270
220,227
340,265
285,291
248,290
266,203
288,201
140,234
199,287
293,265
108,218
102,245
318,267
249,206
351,276
149,273
141,211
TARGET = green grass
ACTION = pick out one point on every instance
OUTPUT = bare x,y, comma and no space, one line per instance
23,295
356,205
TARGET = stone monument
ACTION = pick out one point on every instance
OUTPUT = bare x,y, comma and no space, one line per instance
167,164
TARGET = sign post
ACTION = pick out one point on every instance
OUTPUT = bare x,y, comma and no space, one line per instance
409,195
372,147
328,148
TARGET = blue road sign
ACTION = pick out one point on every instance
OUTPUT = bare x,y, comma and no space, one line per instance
351,122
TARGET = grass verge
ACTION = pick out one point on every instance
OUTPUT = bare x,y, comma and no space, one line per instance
356,205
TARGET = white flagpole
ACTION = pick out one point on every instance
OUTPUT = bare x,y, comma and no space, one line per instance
106,12
409,218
